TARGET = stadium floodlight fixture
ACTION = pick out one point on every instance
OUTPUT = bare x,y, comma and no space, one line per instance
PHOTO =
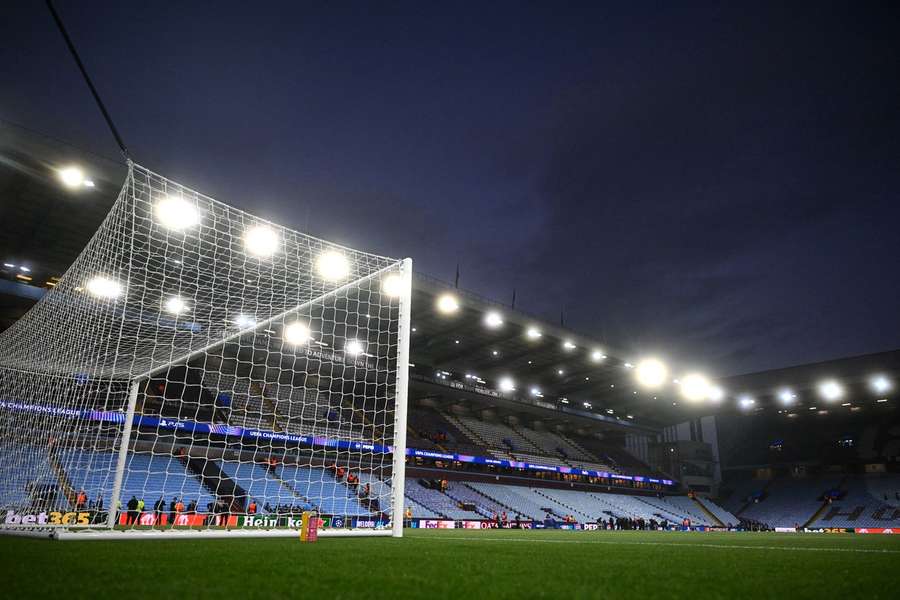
447,304
353,347
71,177
244,321
261,241
89,183
392,285
786,396
695,387
746,402
831,390
493,319
597,355
651,373
569,345
176,213
628,365
586,404
507,384
104,288
880,384
333,266
536,392
9,265
176,305
297,333
533,333
560,372
716,394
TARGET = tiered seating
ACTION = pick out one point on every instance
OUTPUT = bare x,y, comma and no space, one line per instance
869,501
90,471
483,505
621,505
723,515
683,506
790,502
258,484
497,435
584,506
553,445
539,460
593,466
149,477
519,500
20,470
319,487
437,501
741,494
426,421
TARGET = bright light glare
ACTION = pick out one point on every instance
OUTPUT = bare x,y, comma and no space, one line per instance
333,266
261,241
72,177
746,402
533,333
392,285
176,305
535,391
831,390
881,384
597,355
695,387
353,347
716,394
447,304
296,333
568,345
244,321
507,385
651,373
493,320
786,396
103,287
176,213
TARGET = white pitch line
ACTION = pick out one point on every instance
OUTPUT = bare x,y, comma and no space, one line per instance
692,544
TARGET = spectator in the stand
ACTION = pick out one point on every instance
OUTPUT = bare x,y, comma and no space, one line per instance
192,507
340,473
140,507
179,509
504,519
172,505
365,491
81,500
251,508
352,481
132,510
158,509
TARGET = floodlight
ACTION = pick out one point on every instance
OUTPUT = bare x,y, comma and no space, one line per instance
176,305
880,384
831,390
569,345
333,266
493,320
176,213
695,387
353,347
72,177
535,391
746,402
597,355
651,373
103,287
716,394
261,241
533,333
786,396
296,333
507,385
392,285
447,304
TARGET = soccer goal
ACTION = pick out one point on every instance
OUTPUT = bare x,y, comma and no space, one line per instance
199,371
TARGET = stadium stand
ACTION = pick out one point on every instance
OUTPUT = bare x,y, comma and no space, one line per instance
790,502
149,477
720,513
866,501
437,501
333,497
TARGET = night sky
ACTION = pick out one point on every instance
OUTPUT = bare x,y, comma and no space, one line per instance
719,184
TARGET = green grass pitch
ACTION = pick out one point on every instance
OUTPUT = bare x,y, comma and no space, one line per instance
472,565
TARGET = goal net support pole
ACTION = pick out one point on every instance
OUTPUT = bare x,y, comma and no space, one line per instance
402,397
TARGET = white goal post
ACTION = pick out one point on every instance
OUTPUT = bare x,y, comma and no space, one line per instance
199,371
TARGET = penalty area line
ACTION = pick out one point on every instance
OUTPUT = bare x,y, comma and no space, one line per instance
676,544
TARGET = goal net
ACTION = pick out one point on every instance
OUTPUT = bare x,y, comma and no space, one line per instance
199,369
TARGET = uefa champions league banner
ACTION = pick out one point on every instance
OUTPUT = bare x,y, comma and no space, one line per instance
307,440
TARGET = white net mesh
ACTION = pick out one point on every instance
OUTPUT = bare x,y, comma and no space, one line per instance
262,365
